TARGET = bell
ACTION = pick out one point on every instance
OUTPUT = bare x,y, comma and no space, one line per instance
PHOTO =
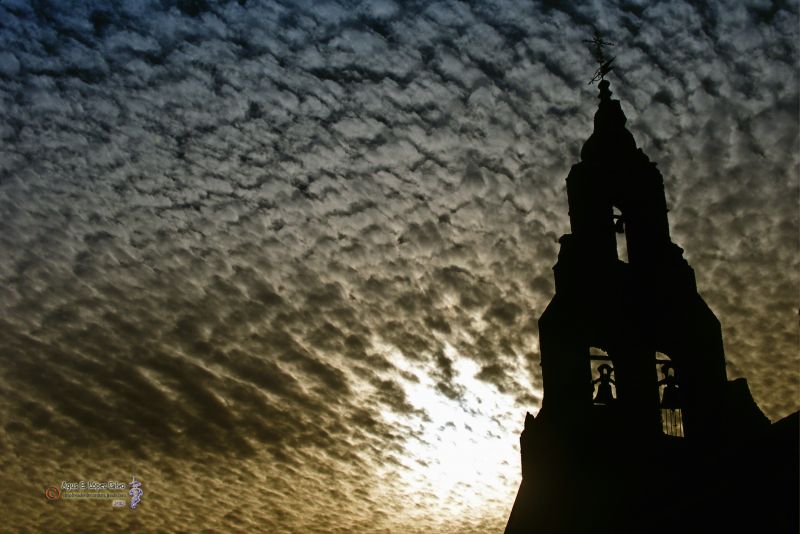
604,394
670,397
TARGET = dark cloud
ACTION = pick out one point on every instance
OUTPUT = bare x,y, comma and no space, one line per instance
290,255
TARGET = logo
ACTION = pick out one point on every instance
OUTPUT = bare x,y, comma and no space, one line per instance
136,493
52,493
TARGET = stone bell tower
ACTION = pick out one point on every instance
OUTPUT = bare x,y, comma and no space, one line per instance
628,310
607,447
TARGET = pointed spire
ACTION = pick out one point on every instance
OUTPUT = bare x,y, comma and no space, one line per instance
610,140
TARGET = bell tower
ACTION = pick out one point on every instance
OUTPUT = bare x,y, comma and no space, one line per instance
630,310
632,359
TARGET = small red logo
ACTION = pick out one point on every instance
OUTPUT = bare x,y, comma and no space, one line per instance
52,493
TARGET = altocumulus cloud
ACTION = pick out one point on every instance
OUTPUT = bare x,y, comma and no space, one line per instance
284,260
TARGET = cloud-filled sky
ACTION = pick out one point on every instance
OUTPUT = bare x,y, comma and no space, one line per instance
283,260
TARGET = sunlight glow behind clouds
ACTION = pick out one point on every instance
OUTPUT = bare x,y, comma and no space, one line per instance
464,454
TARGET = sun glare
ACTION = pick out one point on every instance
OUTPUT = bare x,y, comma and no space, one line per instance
462,457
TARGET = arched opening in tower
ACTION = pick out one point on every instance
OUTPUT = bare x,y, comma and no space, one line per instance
619,232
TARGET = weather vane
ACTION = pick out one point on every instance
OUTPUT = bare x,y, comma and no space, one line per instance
599,53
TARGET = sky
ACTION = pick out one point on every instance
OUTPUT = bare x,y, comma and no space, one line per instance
283,261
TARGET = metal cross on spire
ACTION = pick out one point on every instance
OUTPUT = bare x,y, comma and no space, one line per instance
599,53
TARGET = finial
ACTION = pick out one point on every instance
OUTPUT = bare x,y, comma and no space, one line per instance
599,55
605,92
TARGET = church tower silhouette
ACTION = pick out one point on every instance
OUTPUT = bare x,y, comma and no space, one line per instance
640,429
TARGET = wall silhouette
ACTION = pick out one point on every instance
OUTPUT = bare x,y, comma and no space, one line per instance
654,438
